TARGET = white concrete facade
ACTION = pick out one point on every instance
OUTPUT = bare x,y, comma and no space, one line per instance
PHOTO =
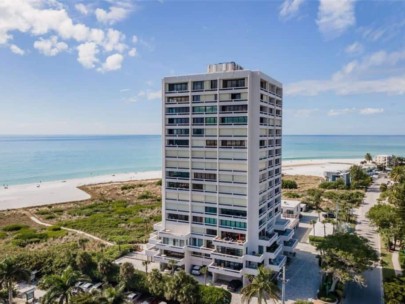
221,186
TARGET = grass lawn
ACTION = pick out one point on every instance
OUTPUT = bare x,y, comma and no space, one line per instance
386,262
123,213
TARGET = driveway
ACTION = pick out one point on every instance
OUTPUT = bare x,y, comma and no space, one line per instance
372,293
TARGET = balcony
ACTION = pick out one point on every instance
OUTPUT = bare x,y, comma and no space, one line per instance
174,248
277,263
233,272
254,257
163,258
274,251
227,256
229,242
281,224
268,239
290,245
285,235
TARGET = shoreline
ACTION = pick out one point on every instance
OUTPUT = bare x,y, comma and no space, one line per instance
64,191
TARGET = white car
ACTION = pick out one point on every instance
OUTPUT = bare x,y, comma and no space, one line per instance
195,270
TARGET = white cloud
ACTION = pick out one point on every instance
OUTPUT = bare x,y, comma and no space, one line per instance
87,54
50,47
113,15
335,17
338,112
378,72
16,50
132,52
364,111
80,7
42,18
371,111
145,95
134,39
290,8
302,113
112,63
354,49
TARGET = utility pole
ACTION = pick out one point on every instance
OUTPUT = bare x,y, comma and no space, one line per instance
283,287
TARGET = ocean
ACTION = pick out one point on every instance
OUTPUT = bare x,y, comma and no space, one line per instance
30,159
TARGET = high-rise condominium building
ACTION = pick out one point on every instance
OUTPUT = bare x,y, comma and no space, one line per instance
221,187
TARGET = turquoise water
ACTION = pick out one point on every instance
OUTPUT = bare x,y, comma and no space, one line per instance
29,159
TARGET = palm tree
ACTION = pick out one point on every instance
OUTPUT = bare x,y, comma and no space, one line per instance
368,157
204,272
172,265
261,286
145,264
113,295
324,227
11,272
313,222
62,288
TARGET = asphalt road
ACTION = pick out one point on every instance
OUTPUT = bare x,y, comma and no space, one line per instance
372,293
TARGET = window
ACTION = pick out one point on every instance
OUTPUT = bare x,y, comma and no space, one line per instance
196,97
233,143
177,142
176,121
231,212
207,109
236,96
233,83
198,219
198,132
178,131
198,187
234,108
211,143
175,99
177,217
198,120
196,242
178,174
211,120
210,221
205,176
176,185
198,85
211,232
263,84
239,120
233,224
211,210
178,110
214,84
175,87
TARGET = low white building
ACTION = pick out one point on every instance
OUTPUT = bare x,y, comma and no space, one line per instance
332,176
291,211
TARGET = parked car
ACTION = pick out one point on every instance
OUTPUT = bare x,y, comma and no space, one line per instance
150,301
329,215
235,285
132,297
195,270
86,287
97,286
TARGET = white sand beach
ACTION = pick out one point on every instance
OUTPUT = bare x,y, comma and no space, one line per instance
29,195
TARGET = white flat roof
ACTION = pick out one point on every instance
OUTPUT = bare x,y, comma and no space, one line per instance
290,204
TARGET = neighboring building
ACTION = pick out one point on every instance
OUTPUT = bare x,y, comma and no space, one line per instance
291,211
221,182
332,176
383,160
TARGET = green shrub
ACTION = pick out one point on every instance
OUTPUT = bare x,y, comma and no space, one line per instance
303,302
159,183
211,295
14,227
146,195
394,290
292,195
127,187
338,184
315,239
3,235
288,184
49,217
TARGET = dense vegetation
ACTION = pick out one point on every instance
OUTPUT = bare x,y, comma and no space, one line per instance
289,184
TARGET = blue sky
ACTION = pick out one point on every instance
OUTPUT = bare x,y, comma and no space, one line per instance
94,67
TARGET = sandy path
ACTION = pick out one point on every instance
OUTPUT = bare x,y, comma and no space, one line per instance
87,235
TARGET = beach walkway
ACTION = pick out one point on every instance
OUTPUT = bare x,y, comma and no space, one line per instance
396,264
85,234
